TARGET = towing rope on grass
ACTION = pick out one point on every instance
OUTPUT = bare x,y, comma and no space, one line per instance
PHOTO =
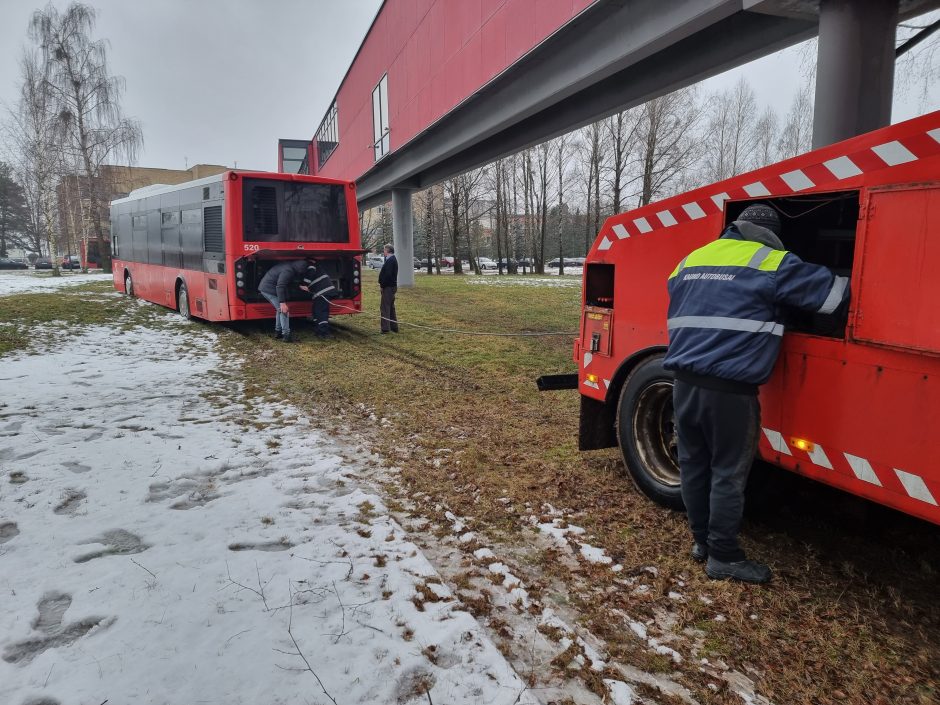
458,331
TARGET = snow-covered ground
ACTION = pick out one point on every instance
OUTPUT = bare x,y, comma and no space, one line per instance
164,539
18,281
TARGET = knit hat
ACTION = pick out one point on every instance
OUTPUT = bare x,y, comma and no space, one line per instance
763,215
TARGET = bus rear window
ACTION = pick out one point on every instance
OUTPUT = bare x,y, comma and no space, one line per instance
287,211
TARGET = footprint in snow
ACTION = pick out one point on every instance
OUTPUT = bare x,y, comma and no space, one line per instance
281,545
76,467
18,477
116,542
52,631
12,428
8,530
71,499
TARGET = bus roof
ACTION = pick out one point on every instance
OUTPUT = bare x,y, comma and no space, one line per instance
160,189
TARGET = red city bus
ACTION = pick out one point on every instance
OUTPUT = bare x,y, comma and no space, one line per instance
854,403
203,246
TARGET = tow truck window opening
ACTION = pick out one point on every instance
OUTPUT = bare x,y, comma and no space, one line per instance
821,229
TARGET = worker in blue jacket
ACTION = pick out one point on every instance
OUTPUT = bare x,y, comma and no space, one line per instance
725,330
321,289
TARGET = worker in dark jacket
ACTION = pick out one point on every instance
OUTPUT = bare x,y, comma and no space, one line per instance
274,286
725,331
321,289
388,282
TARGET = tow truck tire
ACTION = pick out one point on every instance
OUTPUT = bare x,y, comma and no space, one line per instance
646,432
182,301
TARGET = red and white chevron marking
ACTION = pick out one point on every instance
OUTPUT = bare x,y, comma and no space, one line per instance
783,181
884,476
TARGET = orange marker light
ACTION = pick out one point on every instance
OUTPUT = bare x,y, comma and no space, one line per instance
803,444
592,378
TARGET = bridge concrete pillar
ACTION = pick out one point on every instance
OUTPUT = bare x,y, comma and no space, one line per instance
403,235
854,68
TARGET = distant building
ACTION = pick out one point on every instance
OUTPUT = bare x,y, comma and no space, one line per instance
77,233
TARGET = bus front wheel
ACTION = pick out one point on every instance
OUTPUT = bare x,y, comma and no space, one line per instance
646,432
128,285
182,301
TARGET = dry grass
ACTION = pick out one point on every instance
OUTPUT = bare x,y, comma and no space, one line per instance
851,617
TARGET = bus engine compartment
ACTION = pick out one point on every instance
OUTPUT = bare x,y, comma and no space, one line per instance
344,272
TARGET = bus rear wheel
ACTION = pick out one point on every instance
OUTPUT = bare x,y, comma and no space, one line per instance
646,432
128,285
182,301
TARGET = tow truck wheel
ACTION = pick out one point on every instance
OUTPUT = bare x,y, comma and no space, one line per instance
182,301
646,431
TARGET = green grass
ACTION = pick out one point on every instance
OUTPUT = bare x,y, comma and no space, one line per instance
29,320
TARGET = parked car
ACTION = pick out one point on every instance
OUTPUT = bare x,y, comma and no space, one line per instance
554,263
43,263
417,263
486,263
447,261
375,261
71,262
423,264
12,264
508,262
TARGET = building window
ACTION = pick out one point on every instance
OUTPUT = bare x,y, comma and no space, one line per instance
327,136
380,117
294,157
140,222
171,218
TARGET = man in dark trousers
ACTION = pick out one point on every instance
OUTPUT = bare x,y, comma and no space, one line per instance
274,286
725,330
321,289
388,282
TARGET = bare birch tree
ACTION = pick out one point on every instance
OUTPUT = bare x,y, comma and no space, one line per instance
797,134
562,148
87,99
620,131
35,152
731,139
668,142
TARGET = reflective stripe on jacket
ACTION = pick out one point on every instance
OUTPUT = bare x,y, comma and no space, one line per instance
725,298
319,284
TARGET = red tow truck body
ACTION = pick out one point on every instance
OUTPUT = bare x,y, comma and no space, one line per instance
857,407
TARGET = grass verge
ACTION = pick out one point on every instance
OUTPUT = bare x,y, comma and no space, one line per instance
851,617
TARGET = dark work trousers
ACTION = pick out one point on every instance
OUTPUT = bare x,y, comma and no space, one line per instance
321,315
718,434
389,316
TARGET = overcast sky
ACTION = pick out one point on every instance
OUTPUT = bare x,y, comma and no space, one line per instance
219,81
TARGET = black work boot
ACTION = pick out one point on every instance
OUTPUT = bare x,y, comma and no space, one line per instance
277,335
744,571
699,552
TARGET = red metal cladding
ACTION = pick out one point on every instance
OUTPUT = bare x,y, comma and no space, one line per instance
436,53
859,412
